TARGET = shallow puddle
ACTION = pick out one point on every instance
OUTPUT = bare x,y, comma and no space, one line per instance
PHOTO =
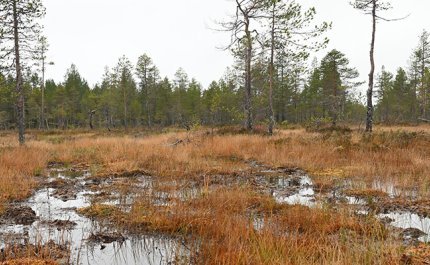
298,189
58,221
293,189
305,197
408,220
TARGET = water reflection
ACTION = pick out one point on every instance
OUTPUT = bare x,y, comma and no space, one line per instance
49,209
408,220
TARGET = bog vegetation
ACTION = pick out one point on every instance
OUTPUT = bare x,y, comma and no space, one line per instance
217,172
276,162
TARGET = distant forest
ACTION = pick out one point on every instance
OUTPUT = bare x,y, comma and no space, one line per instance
274,80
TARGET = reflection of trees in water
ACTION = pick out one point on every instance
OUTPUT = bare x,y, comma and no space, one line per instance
136,250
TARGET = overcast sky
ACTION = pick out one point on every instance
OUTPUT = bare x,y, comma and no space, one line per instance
94,33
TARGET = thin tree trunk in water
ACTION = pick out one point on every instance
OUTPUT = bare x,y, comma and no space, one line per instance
369,120
248,92
271,73
19,89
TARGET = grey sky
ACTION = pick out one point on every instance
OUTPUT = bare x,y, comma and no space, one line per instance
176,33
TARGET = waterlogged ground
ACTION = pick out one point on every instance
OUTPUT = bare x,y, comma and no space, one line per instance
50,222
381,199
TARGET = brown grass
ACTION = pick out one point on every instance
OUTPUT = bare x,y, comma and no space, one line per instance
417,255
396,155
365,193
223,222
402,156
28,261
39,254
221,219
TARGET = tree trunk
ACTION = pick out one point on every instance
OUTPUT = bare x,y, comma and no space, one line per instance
248,78
125,106
271,73
283,109
335,100
369,119
91,115
19,81
43,89
423,89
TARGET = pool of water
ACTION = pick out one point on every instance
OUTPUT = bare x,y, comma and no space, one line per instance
131,250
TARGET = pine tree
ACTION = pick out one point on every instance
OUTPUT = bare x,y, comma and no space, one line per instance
372,7
419,66
384,85
148,76
42,62
290,29
19,29
337,78
243,35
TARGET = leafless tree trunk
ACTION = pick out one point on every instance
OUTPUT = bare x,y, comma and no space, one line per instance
19,81
271,73
248,75
370,7
43,89
369,120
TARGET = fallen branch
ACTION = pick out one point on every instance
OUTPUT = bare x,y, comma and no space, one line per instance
424,120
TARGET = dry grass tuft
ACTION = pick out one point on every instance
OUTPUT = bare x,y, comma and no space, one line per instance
29,261
417,255
365,193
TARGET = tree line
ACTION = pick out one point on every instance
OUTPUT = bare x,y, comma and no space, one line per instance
271,81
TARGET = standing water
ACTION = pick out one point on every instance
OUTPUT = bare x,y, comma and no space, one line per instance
57,221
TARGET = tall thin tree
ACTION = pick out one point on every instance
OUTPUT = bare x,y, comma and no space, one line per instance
41,57
291,31
243,34
19,28
420,64
372,7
